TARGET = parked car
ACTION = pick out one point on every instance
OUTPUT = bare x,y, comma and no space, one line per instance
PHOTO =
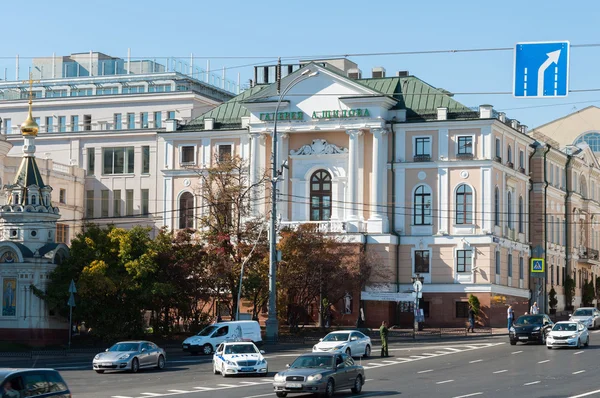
32,382
350,342
589,316
568,334
530,328
211,336
239,358
320,373
131,356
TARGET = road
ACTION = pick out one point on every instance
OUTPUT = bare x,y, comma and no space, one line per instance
460,369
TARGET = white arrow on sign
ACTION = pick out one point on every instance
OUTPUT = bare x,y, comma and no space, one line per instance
72,288
552,59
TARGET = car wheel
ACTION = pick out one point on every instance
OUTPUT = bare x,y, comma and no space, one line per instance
578,343
215,371
223,373
543,340
135,365
548,347
358,383
207,349
329,389
160,365
281,394
348,352
513,343
100,371
367,351
587,342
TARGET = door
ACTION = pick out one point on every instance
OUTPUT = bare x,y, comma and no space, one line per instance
341,373
351,370
146,357
357,344
217,356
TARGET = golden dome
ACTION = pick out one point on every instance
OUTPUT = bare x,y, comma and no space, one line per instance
29,126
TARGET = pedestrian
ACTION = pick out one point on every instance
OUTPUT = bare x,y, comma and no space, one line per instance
510,315
534,309
383,332
471,320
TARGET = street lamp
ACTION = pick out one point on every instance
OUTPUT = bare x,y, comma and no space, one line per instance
272,324
417,281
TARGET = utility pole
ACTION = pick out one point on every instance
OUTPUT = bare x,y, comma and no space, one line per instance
71,304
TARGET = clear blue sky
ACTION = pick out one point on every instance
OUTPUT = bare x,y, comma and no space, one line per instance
245,28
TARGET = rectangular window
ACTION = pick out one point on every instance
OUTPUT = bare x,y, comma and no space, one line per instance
62,124
118,160
118,121
224,152
7,126
521,160
463,260
62,233
89,204
91,161
117,203
188,153
558,275
498,149
145,202
497,263
49,124
62,196
422,261
510,265
75,123
157,120
87,122
465,145
144,120
104,203
129,202
146,160
422,146
131,120
521,268
171,115
462,309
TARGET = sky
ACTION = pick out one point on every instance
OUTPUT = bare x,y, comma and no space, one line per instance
236,34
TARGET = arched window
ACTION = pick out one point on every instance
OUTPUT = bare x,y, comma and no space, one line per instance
320,196
422,206
497,207
509,155
464,204
521,221
509,212
186,210
590,138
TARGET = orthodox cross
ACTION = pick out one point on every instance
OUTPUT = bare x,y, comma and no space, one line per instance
30,81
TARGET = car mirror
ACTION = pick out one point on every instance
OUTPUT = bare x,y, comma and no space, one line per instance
143,350
106,350
570,315
287,365
320,339
353,338
262,352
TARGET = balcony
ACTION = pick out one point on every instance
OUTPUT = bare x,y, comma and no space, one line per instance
587,254
522,170
510,164
326,227
464,156
498,159
422,158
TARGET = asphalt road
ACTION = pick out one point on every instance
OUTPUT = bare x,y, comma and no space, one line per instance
475,368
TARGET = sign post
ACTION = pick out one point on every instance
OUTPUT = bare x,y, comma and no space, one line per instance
71,304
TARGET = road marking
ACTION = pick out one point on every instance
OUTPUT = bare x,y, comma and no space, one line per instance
152,394
578,352
250,383
532,383
544,361
596,331
204,388
72,367
469,395
389,361
374,364
579,371
501,371
517,352
228,385
426,371
261,395
477,360
452,349
418,356
120,396
444,382
267,380
585,394
180,391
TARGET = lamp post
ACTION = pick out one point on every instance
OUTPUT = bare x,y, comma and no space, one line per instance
272,324
417,281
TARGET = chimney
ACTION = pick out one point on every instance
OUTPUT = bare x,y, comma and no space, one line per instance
485,111
523,129
171,124
502,117
378,72
402,73
514,124
354,73
245,121
442,113
209,123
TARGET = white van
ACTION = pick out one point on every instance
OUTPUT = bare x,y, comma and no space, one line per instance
211,336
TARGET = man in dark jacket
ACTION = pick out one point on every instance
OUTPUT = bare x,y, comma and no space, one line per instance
383,332
471,320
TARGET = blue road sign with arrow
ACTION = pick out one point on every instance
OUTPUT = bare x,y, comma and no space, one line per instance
541,70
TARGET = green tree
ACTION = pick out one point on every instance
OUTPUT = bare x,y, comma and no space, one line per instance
552,300
474,303
569,291
588,293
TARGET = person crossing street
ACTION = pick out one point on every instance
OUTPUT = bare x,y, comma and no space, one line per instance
383,332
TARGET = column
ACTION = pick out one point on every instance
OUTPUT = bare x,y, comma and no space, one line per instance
351,199
282,186
255,140
378,220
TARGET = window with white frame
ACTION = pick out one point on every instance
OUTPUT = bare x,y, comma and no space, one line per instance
497,263
187,154
422,148
118,160
498,149
422,205
510,265
464,204
464,260
521,215
509,210
521,268
465,145
521,160
497,207
224,152
422,261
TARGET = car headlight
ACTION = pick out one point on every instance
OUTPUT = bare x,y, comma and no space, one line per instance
314,347
573,336
230,363
512,329
125,356
536,328
97,357
316,377
339,347
261,362
279,377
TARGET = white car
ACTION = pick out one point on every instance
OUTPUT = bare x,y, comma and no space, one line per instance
589,316
568,334
239,358
350,342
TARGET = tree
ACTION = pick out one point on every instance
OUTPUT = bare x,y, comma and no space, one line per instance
552,300
474,303
598,288
569,291
587,294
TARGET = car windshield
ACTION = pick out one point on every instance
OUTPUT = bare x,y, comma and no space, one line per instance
207,331
581,312
313,361
125,347
240,349
337,337
530,320
565,327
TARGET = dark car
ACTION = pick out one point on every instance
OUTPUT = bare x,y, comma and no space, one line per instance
320,373
17,383
530,328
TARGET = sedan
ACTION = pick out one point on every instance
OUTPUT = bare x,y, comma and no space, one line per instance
320,373
239,358
568,334
131,356
589,316
530,328
350,342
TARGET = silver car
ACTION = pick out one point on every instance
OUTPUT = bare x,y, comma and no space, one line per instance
131,356
589,316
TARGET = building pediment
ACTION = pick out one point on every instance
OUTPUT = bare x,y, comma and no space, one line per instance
318,147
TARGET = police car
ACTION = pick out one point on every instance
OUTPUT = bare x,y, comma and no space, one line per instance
239,358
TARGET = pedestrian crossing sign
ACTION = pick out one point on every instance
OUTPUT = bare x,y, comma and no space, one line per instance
537,265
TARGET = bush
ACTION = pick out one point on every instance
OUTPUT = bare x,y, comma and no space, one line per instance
474,302
552,300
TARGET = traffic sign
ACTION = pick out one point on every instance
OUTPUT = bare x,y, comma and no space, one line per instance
537,265
541,69
72,288
71,302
